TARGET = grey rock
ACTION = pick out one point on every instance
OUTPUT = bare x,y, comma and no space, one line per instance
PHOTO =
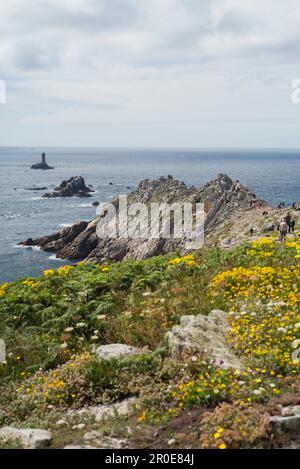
290,411
28,438
204,336
114,410
92,435
61,423
103,412
75,186
288,424
116,351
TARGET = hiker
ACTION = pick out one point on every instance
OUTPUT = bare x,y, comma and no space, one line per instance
251,231
283,229
292,224
288,219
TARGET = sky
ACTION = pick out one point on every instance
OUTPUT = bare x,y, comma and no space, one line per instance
152,73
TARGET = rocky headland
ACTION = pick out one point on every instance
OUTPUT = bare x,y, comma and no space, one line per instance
225,202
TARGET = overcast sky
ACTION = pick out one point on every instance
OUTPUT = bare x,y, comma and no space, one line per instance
189,73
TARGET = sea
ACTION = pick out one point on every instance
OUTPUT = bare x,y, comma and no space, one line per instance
272,174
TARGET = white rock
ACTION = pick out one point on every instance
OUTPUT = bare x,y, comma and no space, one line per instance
81,426
61,423
204,336
92,435
290,410
28,438
114,410
116,351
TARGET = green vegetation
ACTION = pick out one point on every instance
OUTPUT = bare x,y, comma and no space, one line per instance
51,325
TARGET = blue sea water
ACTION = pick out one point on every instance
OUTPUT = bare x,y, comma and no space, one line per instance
271,174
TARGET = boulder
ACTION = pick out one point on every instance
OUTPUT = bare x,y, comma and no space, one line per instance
28,438
42,165
116,351
114,410
105,411
75,186
288,424
203,336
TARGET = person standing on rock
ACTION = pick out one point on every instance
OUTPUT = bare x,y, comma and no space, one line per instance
283,229
251,231
292,225
288,219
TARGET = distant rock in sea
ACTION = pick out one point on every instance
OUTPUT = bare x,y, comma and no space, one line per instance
43,164
75,186
36,188
225,202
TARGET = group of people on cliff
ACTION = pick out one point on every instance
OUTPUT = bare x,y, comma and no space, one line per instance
285,226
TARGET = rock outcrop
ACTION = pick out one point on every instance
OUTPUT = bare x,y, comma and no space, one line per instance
75,186
28,438
288,421
43,164
203,336
105,352
223,199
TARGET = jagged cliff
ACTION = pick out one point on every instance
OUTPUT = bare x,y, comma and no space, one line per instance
223,198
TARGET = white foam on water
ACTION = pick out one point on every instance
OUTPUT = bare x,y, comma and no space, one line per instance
54,258
81,205
34,248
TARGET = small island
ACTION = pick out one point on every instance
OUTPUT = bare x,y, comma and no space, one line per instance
43,164
75,186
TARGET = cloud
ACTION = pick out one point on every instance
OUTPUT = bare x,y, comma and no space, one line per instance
161,60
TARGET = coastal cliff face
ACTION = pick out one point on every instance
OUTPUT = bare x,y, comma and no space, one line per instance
224,201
